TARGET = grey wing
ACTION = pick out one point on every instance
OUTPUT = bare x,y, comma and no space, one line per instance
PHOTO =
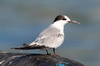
49,37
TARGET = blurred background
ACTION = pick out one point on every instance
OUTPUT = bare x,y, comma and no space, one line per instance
22,20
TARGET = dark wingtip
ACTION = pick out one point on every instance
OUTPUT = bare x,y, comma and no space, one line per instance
29,47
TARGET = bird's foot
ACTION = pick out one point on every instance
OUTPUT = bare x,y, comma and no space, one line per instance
48,54
54,54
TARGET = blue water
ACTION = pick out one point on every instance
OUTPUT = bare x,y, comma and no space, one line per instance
22,20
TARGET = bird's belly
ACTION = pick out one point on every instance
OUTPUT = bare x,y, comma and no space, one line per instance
55,43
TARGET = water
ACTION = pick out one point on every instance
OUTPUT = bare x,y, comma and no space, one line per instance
22,20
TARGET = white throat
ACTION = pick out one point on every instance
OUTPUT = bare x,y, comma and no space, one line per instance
59,25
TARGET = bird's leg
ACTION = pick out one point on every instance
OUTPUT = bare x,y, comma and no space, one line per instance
47,52
54,51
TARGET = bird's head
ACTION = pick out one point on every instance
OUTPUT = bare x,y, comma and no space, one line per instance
64,20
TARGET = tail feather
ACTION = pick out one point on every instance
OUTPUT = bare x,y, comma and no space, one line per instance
30,47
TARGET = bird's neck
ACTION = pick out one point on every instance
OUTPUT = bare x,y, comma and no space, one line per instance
59,26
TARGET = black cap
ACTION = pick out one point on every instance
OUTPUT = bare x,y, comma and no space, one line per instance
59,17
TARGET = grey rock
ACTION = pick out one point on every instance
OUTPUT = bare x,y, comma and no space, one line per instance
17,59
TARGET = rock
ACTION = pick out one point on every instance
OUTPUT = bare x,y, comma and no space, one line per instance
17,59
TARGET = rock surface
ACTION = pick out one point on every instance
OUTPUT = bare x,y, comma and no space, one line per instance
16,59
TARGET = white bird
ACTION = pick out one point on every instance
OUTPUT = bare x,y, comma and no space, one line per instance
52,37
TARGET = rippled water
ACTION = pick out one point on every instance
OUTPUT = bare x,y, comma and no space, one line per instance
21,22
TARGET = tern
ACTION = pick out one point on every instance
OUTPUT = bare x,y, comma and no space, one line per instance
50,38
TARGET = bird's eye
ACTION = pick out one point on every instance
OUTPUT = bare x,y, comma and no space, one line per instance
64,19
